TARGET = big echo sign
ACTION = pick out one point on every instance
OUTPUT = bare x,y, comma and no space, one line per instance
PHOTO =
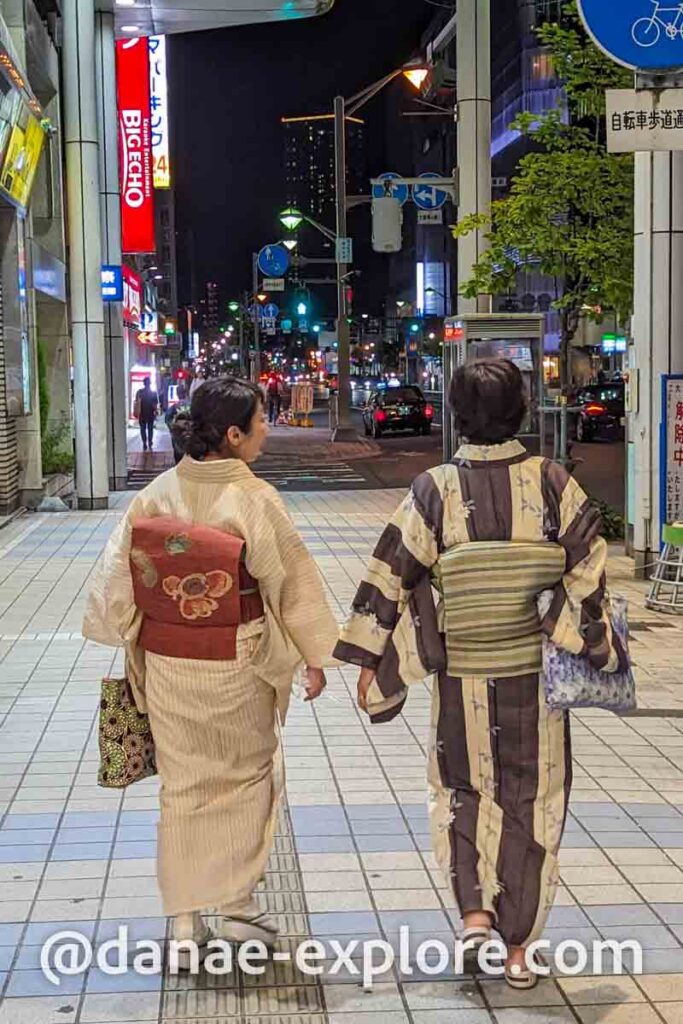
135,147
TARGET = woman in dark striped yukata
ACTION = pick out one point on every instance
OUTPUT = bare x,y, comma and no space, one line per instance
488,531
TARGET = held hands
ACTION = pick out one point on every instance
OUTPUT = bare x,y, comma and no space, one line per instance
315,683
365,681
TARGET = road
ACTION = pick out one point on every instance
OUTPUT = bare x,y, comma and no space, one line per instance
404,456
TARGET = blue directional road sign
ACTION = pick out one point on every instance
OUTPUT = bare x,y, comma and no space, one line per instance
273,261
398,191
271,311
640,34
429,197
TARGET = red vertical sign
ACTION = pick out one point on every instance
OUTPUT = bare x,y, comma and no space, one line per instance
135,146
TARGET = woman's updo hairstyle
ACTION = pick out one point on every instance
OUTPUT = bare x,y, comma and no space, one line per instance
217,405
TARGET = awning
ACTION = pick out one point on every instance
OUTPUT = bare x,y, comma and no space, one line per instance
159,17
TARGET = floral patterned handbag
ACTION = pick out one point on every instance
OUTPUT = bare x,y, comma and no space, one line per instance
126,744
570,681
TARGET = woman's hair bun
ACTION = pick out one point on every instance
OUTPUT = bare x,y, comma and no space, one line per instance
220,403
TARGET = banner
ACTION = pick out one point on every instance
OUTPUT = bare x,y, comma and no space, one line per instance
672,449
132,297
135,148
158,87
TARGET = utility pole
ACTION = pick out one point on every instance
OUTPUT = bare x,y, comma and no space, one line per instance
344,430
256,371
473,122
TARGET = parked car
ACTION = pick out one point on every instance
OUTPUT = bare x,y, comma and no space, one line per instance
401,407
603,411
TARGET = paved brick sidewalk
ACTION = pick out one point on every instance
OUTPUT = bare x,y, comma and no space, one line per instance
352,857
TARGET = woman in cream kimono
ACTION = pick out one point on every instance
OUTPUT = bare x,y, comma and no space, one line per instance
214,722
490,530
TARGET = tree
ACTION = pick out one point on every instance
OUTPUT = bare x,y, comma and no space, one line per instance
569,213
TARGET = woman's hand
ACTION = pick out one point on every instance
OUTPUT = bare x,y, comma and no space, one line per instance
315,683
365,681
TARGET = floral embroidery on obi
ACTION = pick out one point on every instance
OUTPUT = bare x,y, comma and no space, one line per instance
197,592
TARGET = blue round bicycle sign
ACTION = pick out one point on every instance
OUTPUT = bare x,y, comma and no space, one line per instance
644,35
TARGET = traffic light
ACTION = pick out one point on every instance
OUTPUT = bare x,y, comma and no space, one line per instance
387,224
302,309
414,328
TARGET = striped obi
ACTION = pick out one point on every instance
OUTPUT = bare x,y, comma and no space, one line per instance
489,591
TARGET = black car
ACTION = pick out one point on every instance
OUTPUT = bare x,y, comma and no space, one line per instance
602,411
403,407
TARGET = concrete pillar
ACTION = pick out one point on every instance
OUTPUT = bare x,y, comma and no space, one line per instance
474,135
85,254
657,332
110,223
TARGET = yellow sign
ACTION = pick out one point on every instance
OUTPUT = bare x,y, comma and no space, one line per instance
23,156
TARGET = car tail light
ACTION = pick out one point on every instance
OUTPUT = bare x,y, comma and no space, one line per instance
429,411
595,409
380,416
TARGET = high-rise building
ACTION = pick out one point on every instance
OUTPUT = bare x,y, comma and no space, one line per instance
211,317
309,162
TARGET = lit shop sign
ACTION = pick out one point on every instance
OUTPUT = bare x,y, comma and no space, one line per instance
22,134
158,88
453,331
149,328
135,149
132,297
112,283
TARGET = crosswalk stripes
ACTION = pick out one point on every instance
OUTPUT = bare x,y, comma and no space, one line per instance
282,473
288,474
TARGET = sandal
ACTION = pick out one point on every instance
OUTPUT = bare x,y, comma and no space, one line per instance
475,937
522,978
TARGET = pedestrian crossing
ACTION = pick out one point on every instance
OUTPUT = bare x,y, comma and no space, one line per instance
285,474
299,474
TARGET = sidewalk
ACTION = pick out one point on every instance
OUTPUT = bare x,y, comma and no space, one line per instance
352,857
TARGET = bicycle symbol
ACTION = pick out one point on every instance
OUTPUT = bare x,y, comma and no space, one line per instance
647,31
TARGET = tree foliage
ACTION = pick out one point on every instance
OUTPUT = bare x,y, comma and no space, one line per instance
569,212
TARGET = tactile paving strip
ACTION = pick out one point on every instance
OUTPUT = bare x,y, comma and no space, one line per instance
282,994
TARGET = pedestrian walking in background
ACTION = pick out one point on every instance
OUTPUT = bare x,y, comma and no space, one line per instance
211,590
147,410
199,379
274,396
182,406
490,530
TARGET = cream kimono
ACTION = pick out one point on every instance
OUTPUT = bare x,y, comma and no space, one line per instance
215,722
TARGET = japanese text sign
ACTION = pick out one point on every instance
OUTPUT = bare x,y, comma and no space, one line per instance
672,461
641,121
158,89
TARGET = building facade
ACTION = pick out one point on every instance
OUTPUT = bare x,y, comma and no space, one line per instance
35,386
309,163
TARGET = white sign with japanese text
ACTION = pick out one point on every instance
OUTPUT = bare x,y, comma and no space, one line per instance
640,121
158,99
674,450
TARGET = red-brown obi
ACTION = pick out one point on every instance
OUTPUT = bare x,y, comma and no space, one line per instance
193,588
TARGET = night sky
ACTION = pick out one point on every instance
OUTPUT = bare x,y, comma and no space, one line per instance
229,89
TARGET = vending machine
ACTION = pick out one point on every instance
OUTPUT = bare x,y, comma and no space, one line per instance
518,337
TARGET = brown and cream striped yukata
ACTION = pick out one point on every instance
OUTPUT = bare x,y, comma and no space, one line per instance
489,531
